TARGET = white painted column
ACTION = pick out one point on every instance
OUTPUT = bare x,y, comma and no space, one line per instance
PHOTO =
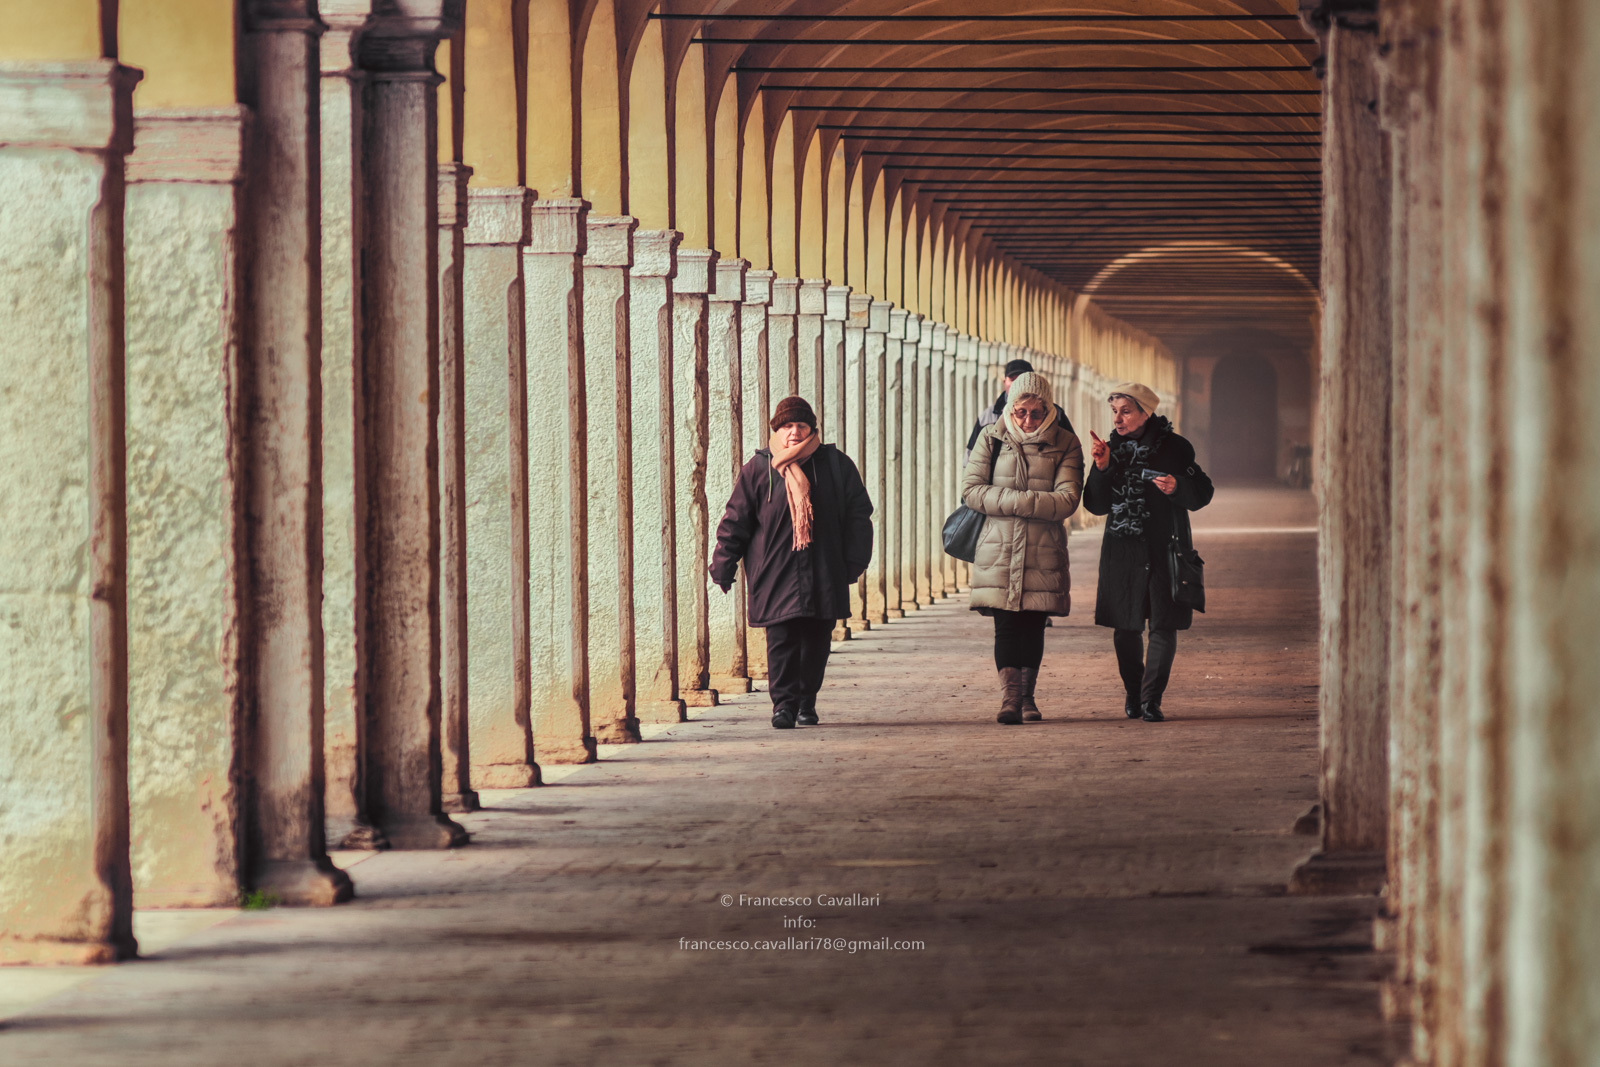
911,472
938,450
655,419
761,290
66,894
875,402
854,405
607,413
186,668
691,407
810,365
893,502
922,496
835,313
495,391
952,436
557,488
455,733
783,352
729,407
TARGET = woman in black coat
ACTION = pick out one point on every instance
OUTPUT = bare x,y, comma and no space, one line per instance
801,520
1146,481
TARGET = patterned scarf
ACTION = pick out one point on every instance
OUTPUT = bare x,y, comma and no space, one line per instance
786,461
1129,506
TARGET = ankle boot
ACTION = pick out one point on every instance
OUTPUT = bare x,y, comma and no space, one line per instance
1030,710
1131,707
1010,696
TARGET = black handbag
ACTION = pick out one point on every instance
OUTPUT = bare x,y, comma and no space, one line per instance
964,526
1188,573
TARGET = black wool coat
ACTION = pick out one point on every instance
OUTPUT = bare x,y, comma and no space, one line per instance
1135,577
782,584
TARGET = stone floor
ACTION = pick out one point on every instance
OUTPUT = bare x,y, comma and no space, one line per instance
1085,890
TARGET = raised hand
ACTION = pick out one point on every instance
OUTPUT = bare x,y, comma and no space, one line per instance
1100,452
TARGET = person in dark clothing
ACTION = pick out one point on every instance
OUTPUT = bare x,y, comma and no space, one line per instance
991,415
801,520
1146,480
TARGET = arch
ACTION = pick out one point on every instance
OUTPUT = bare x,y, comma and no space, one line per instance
875,241
813,220
725,184
649,168
494,46
836,211
784,191
894,270
755,185
855,233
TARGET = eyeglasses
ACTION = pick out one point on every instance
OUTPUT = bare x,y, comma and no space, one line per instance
1028,414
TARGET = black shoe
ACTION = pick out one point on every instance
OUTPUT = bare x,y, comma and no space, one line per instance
807,717
1152,712
1131,708
782,720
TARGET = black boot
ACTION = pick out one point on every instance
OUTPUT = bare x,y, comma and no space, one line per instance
1131,706
807,715
1152,711
782,719
1030,710
1010,696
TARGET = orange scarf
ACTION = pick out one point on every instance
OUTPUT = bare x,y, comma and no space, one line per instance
786,461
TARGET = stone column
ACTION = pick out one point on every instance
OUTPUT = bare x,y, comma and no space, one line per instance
557,487
854,404
811,372
397,538
280,463
496,427
693,395
655,423
783,353
831,381
920,501
953,434
725,455
893,501
938,448
186,663
608,457
66,894
342,105
1354,535
876,474
755,350
455,753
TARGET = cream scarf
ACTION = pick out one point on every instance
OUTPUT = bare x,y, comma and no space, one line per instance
786,461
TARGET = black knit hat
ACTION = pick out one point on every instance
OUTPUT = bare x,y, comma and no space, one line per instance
1018,367
793,409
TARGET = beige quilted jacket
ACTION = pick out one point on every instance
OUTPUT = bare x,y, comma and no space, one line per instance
1021,563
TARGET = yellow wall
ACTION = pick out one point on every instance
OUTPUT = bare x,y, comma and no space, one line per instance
875,241
755,221
61,30
691,206
813,213
184,47
785,221
552,123
836,209
649,171
603,170
725,172
493,97
855,235
894,252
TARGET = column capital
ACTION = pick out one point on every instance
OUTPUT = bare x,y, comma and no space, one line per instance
758,286
555,227
497,216
453,195
203,145
730,280
936,335
785,295
878,316
697,271
813,296
610,240
897,322
655,253
82,106
836,303
860,310
914,327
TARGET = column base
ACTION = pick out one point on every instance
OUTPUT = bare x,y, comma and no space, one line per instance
893,613
565,752
662,711
418,832
363,838
702,698
505,775
460,802
303,883
49,953
1310,821
625,732
728,683
1339,874
841,631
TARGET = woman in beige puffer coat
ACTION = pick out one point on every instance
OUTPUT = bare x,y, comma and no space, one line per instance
1025,475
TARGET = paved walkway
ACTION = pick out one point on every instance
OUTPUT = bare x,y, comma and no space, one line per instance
1085,890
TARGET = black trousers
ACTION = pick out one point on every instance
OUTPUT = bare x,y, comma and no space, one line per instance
1018,638
797,658
1146,678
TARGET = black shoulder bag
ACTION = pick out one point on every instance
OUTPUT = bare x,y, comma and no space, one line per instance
963,527
1188,572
